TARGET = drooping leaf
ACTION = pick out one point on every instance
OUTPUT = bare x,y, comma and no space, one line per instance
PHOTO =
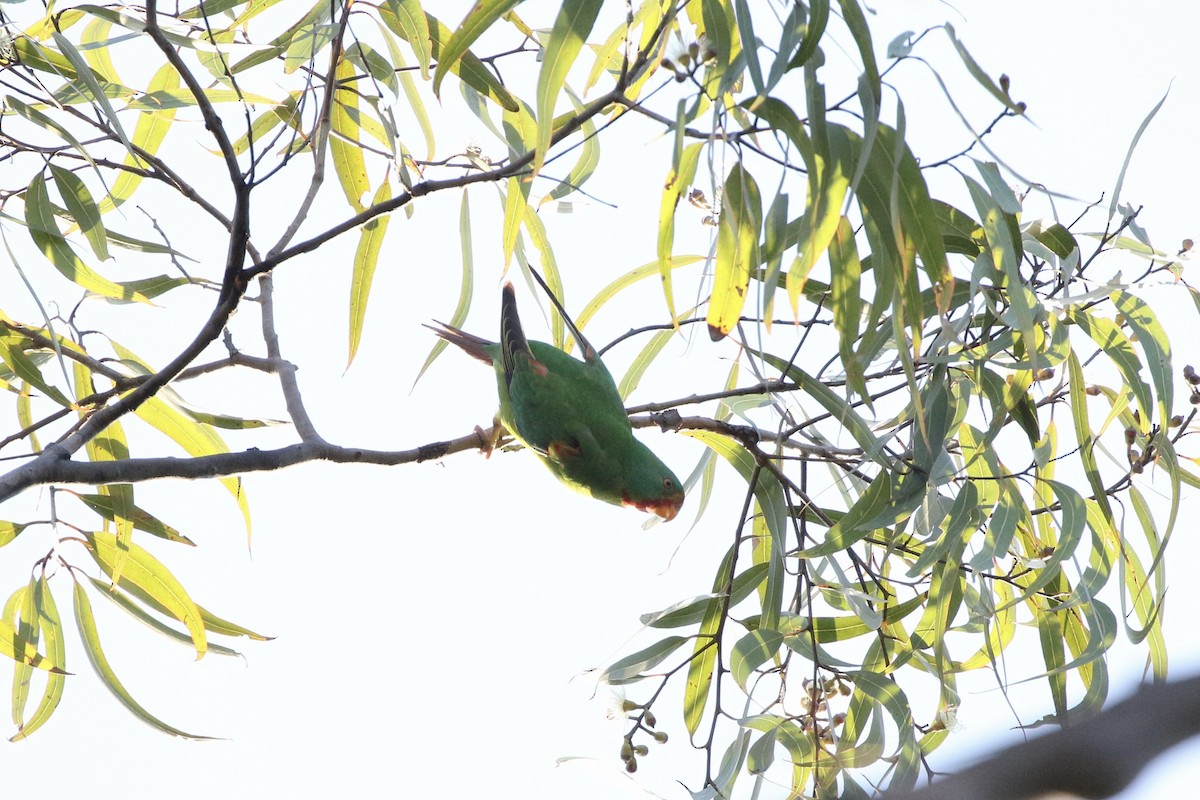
365,258
571,27
143,574
49,239
737,250
86,622
51,630
347,155
479,19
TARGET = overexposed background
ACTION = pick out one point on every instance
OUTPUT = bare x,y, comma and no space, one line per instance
435,623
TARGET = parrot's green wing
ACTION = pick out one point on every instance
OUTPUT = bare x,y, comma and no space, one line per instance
570,413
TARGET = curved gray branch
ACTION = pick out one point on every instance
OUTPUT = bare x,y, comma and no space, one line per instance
1096,758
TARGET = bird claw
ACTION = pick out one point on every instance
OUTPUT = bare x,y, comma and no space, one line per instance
488,440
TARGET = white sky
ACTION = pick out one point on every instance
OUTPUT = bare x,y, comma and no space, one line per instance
434,622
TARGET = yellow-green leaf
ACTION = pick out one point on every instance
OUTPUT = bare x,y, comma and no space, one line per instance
51,631
83,208
146,574
467,66
737,250
365,258
411,19
85,620
478,19
148,135
10,531
129,606
571,27
39,216
683,170
16,647
105,506
348,161
466,286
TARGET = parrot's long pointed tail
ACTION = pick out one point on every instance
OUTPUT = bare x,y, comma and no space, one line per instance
472,345
512,335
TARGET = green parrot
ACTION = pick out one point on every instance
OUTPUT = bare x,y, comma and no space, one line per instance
570,413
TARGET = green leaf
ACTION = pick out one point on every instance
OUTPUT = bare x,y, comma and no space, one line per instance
589,157
146,575
90,82
13,354
216,624
752,651
195,438
413,97
19,649
35,116
1116,193
86,622
982,77
891,697
105,506
1155,344
631,667
828,183
622,282
43,229
348,161
148,136
837,406
642,362
683,170
737,251
774,244
365,258
541,242
1116,345
306,43
571,27
814,31
25,617
700,668
767,489
1023,303
411,19
10,531
691,611
126,604
50,627
847,304
479,19
1058,238
745,25
466,286
466,66
171,99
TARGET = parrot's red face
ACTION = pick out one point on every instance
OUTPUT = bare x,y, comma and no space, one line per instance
665,507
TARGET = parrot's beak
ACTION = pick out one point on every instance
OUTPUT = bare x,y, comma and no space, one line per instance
667,508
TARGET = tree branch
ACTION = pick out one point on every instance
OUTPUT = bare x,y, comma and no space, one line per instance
1097,758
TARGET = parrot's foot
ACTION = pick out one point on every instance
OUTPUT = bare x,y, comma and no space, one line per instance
489,439
487,442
